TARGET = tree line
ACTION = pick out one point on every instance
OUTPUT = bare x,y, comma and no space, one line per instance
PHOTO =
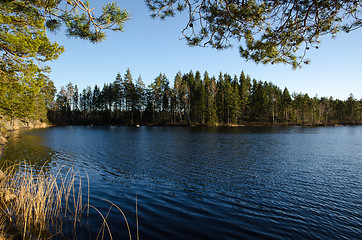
196,99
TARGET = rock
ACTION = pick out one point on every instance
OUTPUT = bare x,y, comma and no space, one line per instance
39,124
18,124
11,125
30,124
6,124
3,140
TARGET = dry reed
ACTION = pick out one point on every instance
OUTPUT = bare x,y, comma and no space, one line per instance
34,203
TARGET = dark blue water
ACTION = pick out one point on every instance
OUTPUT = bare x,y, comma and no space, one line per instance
212,183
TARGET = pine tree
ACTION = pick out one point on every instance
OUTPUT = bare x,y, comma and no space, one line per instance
286,101
140,97
235,101
187,83
76,98
210,86
86,104
268,31
352,113
119,88
129,93
199,99
228,99
245,86
179,98
161,93
25,47
192,95
259,101
220,99
273,96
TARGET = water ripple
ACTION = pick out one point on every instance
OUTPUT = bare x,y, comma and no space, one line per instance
214,183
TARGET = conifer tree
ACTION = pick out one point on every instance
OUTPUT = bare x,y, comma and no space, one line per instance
228,99
210,86
220,99
97,99
198,101
245,85
76,98
187,84
192,95
259,101
140,96
25,47
179,97
129,92
286,101
86,104
235,101
160,90
119,86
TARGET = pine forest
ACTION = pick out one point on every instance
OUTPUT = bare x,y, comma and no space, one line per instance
196,99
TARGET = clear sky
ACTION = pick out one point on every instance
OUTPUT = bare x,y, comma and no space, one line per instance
149,47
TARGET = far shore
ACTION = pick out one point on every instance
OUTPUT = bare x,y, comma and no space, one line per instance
4,136
217,125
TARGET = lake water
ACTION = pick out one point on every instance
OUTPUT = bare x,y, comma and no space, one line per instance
211,183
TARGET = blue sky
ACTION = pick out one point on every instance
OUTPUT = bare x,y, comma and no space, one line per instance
150,47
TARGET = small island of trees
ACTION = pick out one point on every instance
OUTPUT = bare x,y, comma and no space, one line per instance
196,99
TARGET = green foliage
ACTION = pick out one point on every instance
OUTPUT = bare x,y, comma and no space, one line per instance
272,31
25,90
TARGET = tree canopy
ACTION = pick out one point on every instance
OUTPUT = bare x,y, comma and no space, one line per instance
273,31
24,45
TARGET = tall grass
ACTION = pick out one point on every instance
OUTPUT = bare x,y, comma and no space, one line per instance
35,203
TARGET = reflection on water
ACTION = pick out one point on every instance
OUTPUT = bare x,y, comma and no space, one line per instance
212,183
27,147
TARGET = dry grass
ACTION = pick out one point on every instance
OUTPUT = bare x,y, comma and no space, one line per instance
35,203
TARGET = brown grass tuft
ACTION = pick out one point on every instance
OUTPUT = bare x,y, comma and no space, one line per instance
33,202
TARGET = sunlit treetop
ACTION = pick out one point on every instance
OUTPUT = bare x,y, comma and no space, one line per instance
268,31
24,45
82,22
23,25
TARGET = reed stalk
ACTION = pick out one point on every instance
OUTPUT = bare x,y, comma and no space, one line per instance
34,203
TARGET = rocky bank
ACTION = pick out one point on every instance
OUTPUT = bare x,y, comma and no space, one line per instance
6,125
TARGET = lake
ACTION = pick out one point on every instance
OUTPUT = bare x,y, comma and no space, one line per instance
211,183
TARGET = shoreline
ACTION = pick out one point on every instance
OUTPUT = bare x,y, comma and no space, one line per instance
7,126
21,125
3,142
217,125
